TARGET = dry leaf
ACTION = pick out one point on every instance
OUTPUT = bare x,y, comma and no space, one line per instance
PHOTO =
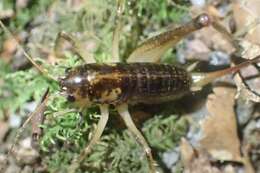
219,128
249,49
195,161
248,92
249,168
244,91
220,141
245,14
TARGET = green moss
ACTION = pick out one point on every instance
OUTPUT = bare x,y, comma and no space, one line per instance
163,133
117,151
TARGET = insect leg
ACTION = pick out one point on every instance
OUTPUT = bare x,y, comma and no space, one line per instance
104,109
97,134
202,79
153,49
124,113
77,47
117,31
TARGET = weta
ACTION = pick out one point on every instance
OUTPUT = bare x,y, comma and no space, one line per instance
140,80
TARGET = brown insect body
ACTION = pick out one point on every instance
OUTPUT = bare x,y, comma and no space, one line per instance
117,83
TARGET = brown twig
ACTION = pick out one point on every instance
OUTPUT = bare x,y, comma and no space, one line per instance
35,121
38,119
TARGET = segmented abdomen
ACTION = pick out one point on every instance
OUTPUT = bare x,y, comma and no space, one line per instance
155,83
135,82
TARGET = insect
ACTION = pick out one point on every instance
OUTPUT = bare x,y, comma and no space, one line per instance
138,81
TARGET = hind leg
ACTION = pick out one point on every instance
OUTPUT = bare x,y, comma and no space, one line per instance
154,48
124,113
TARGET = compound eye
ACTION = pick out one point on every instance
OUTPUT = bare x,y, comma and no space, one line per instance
71,98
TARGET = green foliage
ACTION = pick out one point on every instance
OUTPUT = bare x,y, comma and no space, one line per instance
63,128
20,87
116,152
145,17
163,133
165,11
24,15
4,69
66,132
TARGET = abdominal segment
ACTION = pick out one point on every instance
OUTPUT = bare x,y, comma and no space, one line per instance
133,83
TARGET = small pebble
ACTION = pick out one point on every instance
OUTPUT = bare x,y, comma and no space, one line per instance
27,169
258,124
219,58
199,3
244,110
3,163
30,107
27,156
13,169
170,158
15,121
26,143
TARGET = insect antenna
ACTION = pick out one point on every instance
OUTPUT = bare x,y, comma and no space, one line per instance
38,67
202,79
